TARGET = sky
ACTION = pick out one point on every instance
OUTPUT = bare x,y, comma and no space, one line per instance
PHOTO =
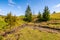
18,7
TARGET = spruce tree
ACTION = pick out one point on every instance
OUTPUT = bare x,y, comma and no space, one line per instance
39,17
46,14
28,14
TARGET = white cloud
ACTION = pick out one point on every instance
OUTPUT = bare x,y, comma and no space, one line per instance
1,12
11,2
11,5
19,7
57,6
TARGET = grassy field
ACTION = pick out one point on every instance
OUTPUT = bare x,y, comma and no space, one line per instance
28,33
55,16
2,23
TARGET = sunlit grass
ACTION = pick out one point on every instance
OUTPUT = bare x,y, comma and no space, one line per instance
55,16
28,33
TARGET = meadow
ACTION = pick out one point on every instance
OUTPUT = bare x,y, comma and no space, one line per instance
28,33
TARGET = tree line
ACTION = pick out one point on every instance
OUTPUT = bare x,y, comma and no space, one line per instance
41,17
11,20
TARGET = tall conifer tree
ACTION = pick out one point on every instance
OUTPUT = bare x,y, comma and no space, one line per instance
46,14
28,14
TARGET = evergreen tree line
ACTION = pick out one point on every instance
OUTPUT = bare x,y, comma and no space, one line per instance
11,20
41,17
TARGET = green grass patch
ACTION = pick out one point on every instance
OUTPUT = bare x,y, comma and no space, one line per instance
30,34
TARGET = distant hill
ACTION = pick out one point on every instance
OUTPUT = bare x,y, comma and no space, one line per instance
55,16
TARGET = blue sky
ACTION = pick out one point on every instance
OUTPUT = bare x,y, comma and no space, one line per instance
18,7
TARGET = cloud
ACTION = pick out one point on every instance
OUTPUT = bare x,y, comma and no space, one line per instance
57,6
1,12
19,7
11,3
